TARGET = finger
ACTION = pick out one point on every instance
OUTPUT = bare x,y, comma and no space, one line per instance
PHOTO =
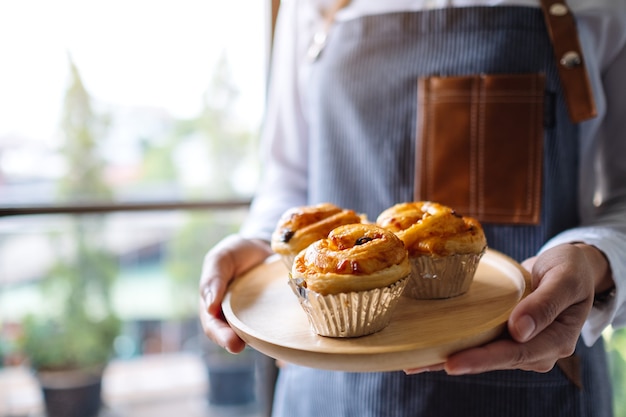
539,354
228,259
542,307
430,368
212,295
218,330
499,355
217,272
528,264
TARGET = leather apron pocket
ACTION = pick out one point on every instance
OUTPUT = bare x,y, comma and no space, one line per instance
480,145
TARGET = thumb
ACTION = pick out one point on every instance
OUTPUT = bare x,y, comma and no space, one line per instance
528,264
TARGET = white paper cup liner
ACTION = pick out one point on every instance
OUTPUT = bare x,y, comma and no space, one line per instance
441,277
349,314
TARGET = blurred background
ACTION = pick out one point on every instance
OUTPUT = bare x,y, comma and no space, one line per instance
128,147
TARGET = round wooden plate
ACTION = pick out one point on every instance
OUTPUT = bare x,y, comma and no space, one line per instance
264,312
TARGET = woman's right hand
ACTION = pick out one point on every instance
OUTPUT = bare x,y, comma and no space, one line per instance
228,259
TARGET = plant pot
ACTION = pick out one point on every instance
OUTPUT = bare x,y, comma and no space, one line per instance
232,378
231,385
74,393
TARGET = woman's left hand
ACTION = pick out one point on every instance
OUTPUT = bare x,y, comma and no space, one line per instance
545,325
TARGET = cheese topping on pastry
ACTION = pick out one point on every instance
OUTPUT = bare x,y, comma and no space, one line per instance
431,228
298,227
354,257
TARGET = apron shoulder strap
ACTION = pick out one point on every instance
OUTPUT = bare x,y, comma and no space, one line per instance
565,43
570,62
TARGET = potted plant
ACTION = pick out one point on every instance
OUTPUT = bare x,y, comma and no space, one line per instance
70,341
69,356
232,377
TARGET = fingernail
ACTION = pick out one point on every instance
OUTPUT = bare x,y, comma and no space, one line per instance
459,371
525,328
208,297
416,371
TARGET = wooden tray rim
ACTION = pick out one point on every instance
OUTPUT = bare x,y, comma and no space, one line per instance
351,354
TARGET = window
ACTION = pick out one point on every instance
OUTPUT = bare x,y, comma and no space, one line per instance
146,100
130,128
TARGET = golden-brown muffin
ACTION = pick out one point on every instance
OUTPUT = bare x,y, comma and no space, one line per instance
430,228
444,247
298,227
356,257
350,282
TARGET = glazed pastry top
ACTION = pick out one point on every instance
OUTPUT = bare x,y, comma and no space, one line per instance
354,257
433,229
298,227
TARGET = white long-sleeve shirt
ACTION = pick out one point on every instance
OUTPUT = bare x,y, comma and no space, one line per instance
602,203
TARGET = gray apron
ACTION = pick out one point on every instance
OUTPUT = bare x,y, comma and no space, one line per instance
362,156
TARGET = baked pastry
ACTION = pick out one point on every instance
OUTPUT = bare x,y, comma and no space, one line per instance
444,247
350,282
298,227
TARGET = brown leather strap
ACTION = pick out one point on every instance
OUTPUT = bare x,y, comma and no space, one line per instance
570,62
329,15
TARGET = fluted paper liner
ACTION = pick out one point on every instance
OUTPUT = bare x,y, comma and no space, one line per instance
350,314
441,277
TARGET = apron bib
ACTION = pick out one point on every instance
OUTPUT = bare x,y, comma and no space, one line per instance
364,137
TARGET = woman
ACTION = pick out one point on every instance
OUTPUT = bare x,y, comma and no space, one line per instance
354,119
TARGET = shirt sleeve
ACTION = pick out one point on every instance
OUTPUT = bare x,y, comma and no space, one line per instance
284,153
603,178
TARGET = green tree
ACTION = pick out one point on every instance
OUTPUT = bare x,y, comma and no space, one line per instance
157,164
82,128
82,329
227,143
